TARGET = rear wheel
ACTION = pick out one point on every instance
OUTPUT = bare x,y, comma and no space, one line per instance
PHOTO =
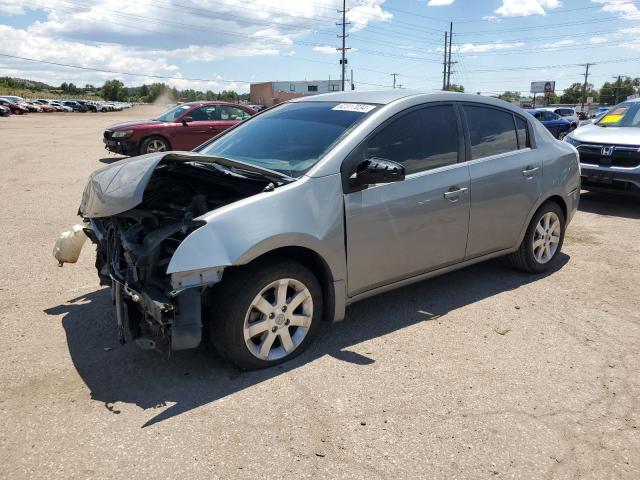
265,313
153,145
543,241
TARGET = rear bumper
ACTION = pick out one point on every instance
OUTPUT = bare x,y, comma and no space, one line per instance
596,177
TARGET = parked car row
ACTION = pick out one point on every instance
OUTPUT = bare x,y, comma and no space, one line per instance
18,105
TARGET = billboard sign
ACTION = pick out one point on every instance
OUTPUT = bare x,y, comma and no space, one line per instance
546,87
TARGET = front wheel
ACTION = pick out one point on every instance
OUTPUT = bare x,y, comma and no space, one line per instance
541,245
266,313
153,145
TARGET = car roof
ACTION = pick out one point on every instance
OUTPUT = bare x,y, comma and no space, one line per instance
384,97
208,102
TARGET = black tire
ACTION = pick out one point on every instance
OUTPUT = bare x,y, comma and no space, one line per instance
232,301
524,258
145,145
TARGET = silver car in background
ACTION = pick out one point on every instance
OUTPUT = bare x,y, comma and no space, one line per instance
610,149
290,216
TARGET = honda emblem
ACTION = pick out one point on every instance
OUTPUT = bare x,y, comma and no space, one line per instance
607,151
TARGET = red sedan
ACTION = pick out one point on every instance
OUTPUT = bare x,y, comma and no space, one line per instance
184,127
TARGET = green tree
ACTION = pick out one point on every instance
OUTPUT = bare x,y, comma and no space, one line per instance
456,88
573,93
113,90
615,92
510,96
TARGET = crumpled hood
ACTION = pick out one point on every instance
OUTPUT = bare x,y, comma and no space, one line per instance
608,135
136,123
119,187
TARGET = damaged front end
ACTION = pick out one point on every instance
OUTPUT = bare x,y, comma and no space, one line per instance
162,197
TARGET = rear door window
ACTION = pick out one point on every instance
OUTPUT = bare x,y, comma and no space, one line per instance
420,140
491,131
232,113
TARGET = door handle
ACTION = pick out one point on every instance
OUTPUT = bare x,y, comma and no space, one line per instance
527,172
454,193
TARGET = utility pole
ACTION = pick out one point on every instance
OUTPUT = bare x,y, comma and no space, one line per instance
444,64
584,85
450,43
617,90
353,87
394,79
343,60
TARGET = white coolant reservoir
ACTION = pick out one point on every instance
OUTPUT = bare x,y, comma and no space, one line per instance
69,244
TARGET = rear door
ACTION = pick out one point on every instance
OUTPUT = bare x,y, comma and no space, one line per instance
506,176
201,128
401,229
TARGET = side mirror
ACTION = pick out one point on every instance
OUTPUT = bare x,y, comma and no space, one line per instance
376,170
186,120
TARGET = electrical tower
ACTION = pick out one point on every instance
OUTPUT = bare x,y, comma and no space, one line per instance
446,72
343,49
619,77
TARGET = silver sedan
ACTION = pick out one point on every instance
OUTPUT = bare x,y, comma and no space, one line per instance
292,215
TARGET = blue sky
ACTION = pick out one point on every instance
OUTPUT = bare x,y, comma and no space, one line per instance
216,44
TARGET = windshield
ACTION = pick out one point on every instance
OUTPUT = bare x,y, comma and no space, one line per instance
626,114
172,114
291,138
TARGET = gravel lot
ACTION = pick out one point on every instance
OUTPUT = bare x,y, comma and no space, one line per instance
482,373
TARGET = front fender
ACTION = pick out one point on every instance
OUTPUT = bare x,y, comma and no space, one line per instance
307,213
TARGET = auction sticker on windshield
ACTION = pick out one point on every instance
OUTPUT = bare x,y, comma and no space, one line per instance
615,116
354,107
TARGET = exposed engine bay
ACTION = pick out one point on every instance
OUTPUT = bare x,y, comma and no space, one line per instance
135,247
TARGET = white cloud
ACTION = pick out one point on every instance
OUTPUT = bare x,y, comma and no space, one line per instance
561,43
596,40
326,49
625,8
486,47
368,11
523,8
159,38
491,18
439,3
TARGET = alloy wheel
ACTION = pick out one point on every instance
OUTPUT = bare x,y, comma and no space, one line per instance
278,319
546,237
156,146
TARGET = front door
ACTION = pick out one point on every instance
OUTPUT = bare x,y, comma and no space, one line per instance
505,178
399,230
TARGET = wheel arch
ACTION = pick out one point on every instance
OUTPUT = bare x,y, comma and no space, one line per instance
553,197
312,260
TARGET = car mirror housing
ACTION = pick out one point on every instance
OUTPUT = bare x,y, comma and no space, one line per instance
377,170
186,120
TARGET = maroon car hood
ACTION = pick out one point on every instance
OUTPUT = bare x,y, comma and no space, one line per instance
136,123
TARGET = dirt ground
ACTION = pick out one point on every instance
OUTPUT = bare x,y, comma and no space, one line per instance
482,373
